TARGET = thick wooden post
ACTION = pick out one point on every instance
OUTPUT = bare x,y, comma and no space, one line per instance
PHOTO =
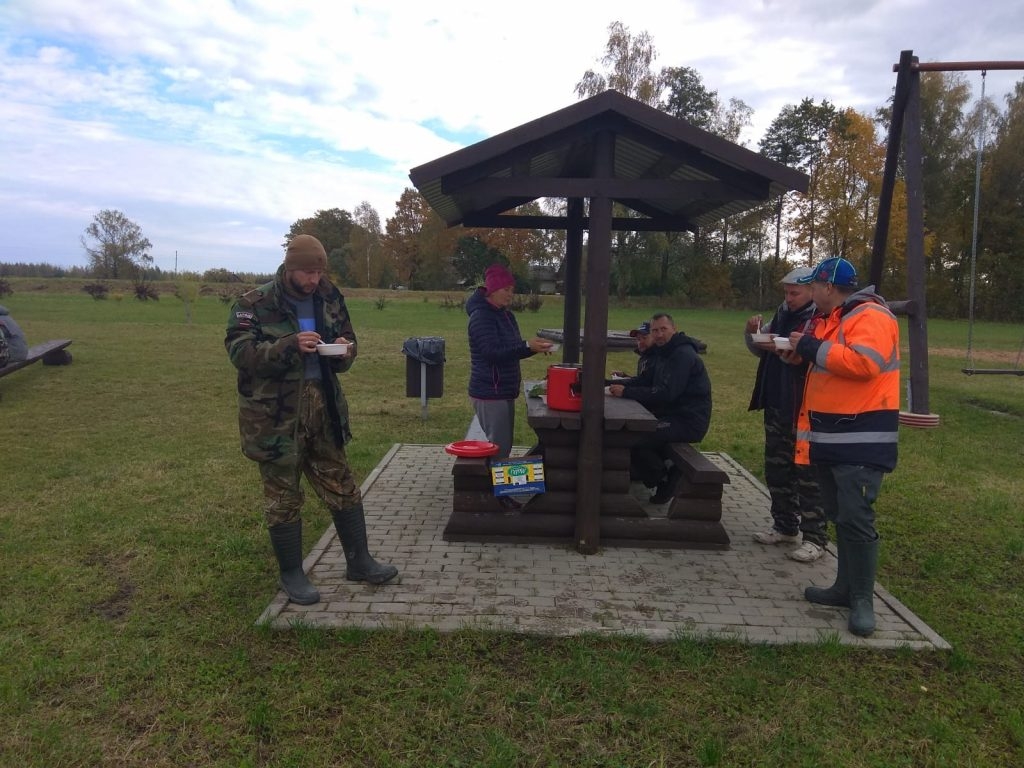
917,322
573,283
892,157
595,331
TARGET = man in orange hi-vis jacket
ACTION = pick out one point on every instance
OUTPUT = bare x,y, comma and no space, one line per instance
848,424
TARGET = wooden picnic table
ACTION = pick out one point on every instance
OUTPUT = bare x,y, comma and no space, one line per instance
623,519
626,423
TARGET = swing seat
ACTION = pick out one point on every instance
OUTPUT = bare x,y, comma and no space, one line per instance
996,371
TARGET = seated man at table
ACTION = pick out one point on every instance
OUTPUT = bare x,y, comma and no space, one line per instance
644,350
676,388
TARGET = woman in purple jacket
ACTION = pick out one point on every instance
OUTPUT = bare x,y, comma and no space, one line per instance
495,349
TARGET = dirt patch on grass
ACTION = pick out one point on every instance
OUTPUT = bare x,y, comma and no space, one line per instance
119,602
1007,358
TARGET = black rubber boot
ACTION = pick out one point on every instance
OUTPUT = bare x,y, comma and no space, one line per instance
287,541
360,566
863,556
839,593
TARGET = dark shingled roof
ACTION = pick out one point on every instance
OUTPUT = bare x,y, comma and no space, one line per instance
676,175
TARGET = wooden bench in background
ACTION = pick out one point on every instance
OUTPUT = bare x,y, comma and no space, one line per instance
50,352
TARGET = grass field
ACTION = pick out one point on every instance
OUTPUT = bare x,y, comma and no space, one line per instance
133,564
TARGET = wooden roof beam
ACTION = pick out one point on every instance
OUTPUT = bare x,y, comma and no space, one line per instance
535,187
621,224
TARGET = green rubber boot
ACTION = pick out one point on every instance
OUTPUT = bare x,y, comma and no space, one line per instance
287,541
360,566
863,556
839,593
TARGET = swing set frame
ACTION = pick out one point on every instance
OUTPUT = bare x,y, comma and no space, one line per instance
905,128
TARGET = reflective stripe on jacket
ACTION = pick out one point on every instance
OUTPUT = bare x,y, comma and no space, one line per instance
850,409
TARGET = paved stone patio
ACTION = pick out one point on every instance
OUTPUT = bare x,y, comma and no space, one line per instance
751,592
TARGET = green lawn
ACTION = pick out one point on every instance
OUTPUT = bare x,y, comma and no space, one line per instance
134,564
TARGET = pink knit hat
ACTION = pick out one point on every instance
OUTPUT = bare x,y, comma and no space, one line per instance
497,277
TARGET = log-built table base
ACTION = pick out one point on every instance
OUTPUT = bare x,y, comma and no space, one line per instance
693,519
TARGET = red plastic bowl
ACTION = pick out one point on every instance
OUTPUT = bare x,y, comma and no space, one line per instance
471,448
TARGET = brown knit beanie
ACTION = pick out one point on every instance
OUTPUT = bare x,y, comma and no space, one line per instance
305,252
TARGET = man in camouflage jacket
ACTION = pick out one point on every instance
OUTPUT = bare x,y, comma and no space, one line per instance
292,412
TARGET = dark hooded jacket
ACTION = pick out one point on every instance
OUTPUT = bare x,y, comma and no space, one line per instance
779,385
495,349
675,386
643,359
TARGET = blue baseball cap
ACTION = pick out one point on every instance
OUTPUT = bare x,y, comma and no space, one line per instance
836,270
642,330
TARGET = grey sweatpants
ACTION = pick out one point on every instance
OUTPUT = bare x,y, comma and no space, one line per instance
498,420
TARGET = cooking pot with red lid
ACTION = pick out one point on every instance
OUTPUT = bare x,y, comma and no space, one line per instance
565,384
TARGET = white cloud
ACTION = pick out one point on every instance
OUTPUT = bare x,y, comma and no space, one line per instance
219,123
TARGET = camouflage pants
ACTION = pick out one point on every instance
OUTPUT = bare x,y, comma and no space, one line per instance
796,495
316,456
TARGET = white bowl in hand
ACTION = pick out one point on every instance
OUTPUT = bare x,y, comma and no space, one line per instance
761,338
333,350
782,342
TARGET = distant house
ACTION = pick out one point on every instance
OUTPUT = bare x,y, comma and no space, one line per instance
543,278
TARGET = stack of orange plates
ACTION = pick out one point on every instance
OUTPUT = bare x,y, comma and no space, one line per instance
919,420
471,449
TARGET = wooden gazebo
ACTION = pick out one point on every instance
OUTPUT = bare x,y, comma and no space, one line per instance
606,149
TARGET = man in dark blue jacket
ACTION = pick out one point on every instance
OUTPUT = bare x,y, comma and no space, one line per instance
675,388
495,349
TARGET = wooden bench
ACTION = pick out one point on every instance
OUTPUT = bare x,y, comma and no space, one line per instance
50,352
699,491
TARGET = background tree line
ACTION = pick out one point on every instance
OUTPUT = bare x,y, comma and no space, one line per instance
738,262
153,273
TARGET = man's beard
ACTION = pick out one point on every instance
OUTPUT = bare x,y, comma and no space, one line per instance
298,290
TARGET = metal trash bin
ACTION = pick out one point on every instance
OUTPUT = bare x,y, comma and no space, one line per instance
424,366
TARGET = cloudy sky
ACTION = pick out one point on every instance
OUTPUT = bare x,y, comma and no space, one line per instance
215,124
